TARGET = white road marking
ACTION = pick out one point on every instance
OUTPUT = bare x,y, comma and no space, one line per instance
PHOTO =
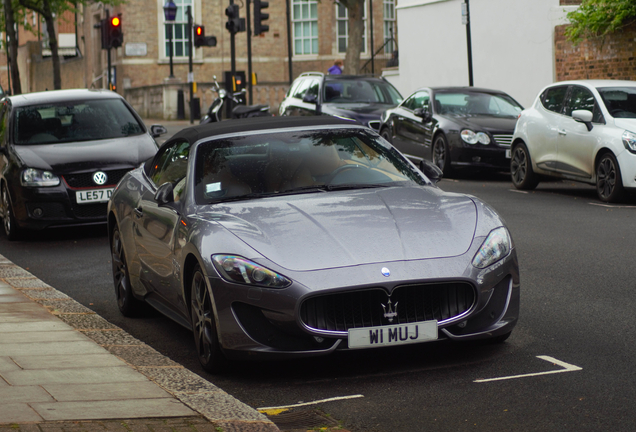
519,191
611,205
566,368
311,403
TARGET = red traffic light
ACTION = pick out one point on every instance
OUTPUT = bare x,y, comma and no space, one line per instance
115,21
199,31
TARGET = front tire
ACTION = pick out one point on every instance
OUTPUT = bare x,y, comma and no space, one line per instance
523,177
11,228
441,154
204,325
609,184
128,305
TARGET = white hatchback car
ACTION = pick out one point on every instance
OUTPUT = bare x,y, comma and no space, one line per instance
579,130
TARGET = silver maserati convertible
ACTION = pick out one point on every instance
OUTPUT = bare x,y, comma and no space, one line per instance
305,235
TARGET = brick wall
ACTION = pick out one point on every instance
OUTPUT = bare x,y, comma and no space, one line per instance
569,2
611,57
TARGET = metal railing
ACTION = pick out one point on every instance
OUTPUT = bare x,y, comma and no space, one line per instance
382,58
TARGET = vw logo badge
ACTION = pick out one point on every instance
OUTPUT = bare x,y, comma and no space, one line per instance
386,272
100,178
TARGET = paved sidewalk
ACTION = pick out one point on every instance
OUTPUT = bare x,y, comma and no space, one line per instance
64,368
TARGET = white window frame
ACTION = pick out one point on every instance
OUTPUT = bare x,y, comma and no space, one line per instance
345,18
304,25
390,23
181,20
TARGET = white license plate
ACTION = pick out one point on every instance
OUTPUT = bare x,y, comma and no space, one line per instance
93,195
399,334
508,155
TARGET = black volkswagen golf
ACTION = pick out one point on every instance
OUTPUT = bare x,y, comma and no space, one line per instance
62,153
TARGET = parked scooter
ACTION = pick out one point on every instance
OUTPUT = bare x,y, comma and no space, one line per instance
217,111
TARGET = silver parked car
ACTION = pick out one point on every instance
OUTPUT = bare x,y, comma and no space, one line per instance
305,235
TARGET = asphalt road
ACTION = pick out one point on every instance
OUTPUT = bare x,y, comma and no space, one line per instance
571,358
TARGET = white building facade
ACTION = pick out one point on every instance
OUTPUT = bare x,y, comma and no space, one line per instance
512,45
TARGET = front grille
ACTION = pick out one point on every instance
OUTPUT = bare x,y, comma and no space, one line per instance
341,311
503,140
85,180
91,210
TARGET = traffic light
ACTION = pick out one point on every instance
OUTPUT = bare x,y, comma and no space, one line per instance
259,17
200,39
103,27
234,23
199,35
115,35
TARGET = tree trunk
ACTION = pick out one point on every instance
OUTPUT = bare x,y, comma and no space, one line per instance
13,47
55,58
356,28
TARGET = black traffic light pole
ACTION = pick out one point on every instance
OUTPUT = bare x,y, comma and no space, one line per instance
190,73
249,50
107,22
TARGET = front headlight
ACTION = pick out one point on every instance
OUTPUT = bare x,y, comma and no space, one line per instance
32,177
237,269
495,247
629,141
471,137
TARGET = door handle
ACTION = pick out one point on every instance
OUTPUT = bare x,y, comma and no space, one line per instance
562,132
138,212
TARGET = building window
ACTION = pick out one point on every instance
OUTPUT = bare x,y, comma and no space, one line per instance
179,32
390,29
342,17
305,22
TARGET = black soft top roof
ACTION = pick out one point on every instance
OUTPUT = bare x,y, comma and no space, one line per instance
195,133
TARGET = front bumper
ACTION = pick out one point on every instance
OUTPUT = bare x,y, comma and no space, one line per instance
272,323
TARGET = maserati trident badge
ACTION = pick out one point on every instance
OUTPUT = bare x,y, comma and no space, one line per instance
390,313
100,178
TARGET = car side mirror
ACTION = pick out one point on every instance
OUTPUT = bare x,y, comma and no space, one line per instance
310,98
432,171
583,116
157,130
423,113
165,194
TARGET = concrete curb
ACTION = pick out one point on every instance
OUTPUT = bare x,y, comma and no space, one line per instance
214,404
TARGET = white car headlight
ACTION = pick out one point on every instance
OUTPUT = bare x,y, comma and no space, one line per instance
32,177
629,141
473,138
495,247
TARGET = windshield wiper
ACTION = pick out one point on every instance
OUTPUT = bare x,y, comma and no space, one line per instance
349,186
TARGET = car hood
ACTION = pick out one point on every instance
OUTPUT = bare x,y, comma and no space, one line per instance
77,156
625,123
339,229
484,122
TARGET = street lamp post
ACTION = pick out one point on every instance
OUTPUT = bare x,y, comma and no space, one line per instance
170,12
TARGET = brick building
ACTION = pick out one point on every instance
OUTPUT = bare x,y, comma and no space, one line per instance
316,30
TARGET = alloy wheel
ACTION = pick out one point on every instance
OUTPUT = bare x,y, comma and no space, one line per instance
202,320
439,153
6,211
120,273
519,165
609,185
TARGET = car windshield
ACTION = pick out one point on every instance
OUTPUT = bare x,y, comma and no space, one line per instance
476,104
253,166
619,101
74,121
360,91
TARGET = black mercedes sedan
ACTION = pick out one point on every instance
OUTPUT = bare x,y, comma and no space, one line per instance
62,153
356,97
454,127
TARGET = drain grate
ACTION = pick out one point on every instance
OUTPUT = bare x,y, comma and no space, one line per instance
306,418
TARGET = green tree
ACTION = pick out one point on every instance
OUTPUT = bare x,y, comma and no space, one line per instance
597,18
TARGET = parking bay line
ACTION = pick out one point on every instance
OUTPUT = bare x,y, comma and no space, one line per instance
283,407
566,368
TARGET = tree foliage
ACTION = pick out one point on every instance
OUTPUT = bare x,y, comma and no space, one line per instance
597,18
